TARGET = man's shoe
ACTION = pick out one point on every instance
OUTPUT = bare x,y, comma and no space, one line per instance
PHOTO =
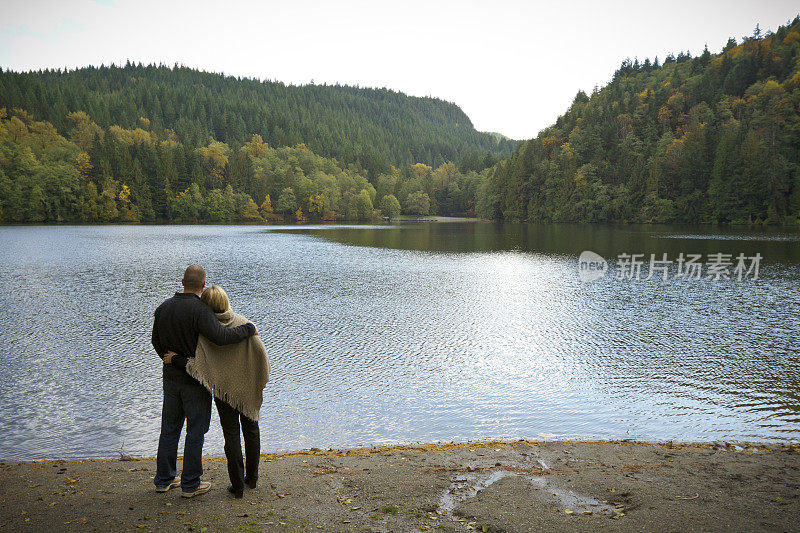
174,484
202,488
251,482
236,493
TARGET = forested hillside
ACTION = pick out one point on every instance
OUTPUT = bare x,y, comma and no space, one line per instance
708,139
151,144
713,138
373,128
143,175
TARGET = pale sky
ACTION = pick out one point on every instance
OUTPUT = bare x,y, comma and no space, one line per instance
512,66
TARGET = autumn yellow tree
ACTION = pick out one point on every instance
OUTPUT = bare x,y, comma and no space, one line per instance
316,204
215,157
82,130
44,136
16,130
444,175
256,147
128,214
251,213
266,208
132,137
84,166
420,170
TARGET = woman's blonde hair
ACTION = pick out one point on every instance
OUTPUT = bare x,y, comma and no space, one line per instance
216,298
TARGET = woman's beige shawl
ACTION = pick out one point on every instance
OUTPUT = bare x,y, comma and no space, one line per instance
235,373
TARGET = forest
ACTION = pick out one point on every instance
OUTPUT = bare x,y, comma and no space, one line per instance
141,175
371,128
157,144
707,139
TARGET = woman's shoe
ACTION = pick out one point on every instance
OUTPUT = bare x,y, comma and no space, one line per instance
236,493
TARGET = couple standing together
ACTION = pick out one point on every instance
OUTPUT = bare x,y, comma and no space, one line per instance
208,350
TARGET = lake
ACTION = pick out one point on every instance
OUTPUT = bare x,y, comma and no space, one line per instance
415,332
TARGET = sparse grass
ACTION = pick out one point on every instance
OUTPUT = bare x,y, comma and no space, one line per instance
249,529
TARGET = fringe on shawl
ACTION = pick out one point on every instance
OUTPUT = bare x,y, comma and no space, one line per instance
224,396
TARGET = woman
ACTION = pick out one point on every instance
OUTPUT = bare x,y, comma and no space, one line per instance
235,375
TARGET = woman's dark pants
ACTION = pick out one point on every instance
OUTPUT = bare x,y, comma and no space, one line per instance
229,419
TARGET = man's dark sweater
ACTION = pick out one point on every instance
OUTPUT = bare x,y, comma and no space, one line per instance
178,322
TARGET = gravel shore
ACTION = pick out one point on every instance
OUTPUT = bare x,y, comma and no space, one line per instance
479,486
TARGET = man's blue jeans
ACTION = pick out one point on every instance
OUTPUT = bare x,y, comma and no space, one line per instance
190,402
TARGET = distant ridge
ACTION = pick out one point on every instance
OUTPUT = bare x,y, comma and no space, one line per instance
373,128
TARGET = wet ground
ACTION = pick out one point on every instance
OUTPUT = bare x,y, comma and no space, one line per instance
488,486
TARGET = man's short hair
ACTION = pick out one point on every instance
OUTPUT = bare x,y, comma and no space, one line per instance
194,278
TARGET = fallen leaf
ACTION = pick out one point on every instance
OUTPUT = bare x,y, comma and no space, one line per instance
568,511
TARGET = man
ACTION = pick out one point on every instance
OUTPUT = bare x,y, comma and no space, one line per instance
178,322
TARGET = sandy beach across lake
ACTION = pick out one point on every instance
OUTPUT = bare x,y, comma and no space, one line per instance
478,486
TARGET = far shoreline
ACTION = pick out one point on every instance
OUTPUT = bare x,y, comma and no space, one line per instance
411,218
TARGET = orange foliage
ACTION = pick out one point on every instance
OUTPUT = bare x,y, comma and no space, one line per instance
256,147
791,38
549,142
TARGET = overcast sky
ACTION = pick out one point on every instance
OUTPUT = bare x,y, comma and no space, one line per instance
512,66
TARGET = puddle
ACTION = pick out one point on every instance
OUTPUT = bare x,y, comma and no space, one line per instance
577,503
466,486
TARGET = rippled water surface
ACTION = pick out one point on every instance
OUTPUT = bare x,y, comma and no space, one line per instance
419,332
